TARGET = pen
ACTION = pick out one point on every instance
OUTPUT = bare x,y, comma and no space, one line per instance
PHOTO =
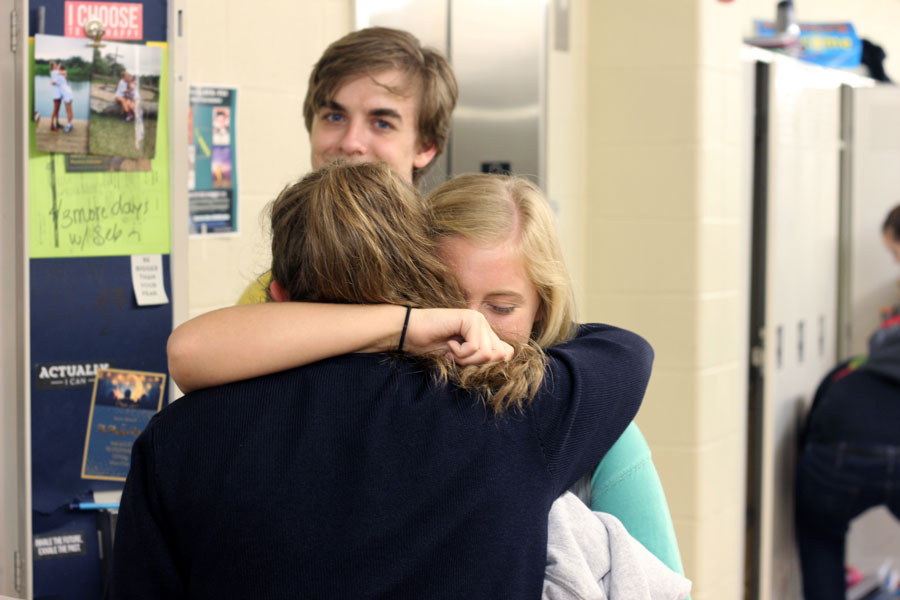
92,505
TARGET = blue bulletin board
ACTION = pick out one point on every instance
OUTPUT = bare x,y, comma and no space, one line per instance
84,316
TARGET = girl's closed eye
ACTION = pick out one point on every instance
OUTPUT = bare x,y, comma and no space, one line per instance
504,310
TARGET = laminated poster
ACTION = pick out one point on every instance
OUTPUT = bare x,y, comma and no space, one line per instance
212,172
124,402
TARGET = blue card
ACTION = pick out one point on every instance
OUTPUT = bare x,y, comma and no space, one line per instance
124,402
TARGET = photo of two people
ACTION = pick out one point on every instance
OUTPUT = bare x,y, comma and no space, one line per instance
96,100
62,83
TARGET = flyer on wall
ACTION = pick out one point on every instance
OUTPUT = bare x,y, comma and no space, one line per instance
212,172
124,402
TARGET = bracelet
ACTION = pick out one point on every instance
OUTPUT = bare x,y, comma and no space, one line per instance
403,332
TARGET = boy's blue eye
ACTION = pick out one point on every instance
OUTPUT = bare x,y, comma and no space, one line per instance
334,117
382,124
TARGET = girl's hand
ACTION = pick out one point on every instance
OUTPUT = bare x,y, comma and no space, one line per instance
463,334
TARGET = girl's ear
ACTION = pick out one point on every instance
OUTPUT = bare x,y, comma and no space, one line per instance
279,294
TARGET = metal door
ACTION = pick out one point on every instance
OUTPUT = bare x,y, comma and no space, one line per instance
498,52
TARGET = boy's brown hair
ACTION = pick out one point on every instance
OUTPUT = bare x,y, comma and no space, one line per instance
375,49
360,234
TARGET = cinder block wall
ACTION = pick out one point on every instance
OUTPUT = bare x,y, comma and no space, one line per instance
266,50
664,251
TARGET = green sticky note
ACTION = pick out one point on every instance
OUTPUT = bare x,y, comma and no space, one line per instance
99,214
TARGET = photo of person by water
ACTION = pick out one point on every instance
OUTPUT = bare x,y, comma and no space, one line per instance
62,80
62,95
124,100
125,96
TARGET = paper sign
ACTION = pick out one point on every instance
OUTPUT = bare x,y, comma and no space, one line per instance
147,279
121,20
100,214
53,546
58,376
124,402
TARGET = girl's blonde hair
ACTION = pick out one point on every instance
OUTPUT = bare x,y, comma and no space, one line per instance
360,234
489,209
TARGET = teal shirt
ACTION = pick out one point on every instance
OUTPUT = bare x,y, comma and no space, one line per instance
627,486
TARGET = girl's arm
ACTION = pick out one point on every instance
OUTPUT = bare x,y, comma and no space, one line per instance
626,485
240,342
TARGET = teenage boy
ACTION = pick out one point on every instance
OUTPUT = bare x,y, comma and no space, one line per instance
376,95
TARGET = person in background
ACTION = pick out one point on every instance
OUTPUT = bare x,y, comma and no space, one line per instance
850,457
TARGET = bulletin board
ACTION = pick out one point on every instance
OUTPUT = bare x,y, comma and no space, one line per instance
84,227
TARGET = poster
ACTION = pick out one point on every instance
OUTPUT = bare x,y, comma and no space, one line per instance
212,173
84,214
123,403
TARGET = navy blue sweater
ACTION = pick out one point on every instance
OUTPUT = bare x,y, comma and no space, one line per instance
359,477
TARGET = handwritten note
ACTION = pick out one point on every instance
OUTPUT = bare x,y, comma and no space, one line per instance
100,214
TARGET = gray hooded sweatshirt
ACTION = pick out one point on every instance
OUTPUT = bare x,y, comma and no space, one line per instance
590,556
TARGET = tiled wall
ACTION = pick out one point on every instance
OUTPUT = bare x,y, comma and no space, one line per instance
666,252
268,54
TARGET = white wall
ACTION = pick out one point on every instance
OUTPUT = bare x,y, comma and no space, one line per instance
267,52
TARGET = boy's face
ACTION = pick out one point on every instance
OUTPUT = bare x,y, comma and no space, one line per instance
366,122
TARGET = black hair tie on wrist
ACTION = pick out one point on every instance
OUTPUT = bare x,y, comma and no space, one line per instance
403,332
